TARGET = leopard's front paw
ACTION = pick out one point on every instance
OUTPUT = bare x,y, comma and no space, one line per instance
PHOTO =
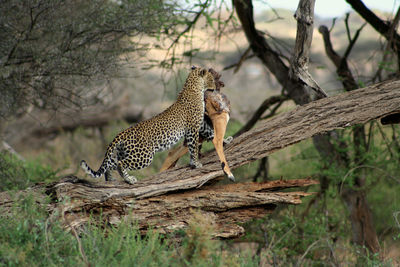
196,165
130,179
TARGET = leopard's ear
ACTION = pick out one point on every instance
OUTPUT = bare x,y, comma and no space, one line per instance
194,67
203,72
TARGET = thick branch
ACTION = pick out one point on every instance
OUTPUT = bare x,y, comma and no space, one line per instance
378,24
342,68
269,57
299,62
224,206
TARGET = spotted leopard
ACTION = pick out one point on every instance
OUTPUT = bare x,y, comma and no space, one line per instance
134,148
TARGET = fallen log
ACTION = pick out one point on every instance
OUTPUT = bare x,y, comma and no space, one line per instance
164,201
224,205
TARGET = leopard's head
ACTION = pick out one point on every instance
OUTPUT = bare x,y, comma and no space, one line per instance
208,78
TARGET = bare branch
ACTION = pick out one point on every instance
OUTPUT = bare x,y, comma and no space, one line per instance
299,62
260,111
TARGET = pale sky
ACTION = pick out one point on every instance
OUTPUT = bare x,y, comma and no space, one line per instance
330,8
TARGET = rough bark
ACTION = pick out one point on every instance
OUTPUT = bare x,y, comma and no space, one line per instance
77,202
226,205
296,80
261,48
299,62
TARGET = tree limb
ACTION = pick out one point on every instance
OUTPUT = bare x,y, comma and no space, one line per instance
299,62
342,68
378,24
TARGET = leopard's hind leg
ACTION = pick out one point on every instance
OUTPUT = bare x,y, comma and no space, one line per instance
129,161
108,176
122,170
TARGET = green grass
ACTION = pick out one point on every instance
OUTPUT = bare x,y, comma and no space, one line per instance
292,235
28,237
16,174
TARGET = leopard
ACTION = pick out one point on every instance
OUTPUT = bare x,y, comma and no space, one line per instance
134,148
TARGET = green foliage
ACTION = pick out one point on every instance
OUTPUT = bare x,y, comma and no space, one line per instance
286,236
51,51
29,237
319,233
124,246
16,174
198,246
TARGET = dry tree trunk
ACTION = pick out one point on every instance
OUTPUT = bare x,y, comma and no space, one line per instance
298,84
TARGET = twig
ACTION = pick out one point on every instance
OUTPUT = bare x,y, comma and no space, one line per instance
371,125
261,109
190,25
242,59
11,150
346,23
245,56
352,42
393,27
342,68
396,218
273,111
81,250
365,166
306,252
262,168
282,237
333,24
387,143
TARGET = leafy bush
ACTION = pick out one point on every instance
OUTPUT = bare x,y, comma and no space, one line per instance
29,237
16,174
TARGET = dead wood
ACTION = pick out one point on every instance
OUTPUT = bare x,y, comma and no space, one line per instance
79,201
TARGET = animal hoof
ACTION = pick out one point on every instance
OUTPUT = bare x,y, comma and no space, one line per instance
231,177
228,140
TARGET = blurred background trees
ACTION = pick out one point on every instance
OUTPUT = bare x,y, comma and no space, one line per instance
58,55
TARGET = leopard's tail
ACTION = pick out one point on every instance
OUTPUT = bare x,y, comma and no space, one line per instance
94,174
